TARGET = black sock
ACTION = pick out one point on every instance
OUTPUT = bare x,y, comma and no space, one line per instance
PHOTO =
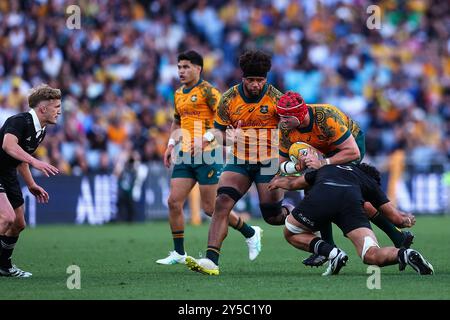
7,244
326,233
395,234
178,241
244,228
212,253
320,247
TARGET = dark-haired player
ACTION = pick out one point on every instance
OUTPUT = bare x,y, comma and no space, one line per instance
20,136
195,106
346,188
249,108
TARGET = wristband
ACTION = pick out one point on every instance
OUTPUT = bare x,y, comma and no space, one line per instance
327,160
288,167
171,142
209,136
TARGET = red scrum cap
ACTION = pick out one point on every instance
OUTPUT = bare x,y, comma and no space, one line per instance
291,104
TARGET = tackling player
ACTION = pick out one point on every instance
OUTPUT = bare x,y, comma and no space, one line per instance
346,188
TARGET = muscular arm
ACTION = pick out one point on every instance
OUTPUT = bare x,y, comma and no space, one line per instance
176,124
12,148
288,183
398,218
40,194
348,151
173,128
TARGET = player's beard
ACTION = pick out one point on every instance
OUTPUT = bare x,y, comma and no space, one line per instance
253,93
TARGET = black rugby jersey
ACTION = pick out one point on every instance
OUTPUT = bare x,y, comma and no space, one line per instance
28,131
348,176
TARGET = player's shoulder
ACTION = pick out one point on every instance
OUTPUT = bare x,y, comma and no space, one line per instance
321,106
230,94
23,116
179,90
206,84
273,92
327,111
206,88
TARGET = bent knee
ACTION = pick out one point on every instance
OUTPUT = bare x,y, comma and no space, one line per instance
287,234
370,256
208,207
224,203
7,220
272,213
174,203
208,213
274,221
19,226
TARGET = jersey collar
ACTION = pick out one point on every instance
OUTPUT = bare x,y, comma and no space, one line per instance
187,90
37,124
251,100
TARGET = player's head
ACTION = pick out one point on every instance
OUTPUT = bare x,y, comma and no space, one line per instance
46,102
371,171
292,110
190,65
254,65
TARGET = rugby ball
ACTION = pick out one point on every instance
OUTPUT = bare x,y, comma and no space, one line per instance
298,151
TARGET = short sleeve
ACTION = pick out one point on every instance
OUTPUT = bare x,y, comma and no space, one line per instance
222,118
310,177
212,97
15,126
375,195
176,114
337,132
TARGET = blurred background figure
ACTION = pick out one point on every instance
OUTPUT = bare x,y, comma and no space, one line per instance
131,174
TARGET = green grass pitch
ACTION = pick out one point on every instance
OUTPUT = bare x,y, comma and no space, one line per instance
118,262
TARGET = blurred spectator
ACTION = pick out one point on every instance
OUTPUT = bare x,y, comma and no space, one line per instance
118,71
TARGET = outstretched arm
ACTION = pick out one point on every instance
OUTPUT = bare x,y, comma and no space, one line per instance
39,192
288,183
11,147
397,217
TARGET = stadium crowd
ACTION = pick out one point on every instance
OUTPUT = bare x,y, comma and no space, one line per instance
118,72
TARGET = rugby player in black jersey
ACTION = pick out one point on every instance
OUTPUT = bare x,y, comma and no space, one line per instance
337,195
20,136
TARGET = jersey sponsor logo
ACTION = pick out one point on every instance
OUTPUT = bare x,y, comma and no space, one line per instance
28,139
194,98
264,109
186,113
251,109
